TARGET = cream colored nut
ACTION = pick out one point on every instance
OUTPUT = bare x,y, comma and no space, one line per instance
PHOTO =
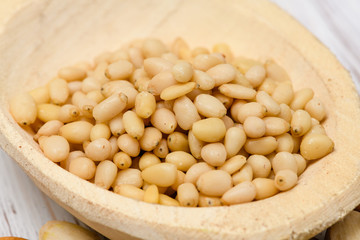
45,112
145,104
195,145
204,62
214,183
122,160
244,174
284,160
114,146
241,80
197,169
162,149
261,146
72,73
23,109
130,176
167,201
129,145
206,201
285,143
265,188
204,81
275,126
136,57
116,125
225,100
300,123
130,191
162,174
69,113
276,72
54,230
197,91
285,112
182,71
156,65
115,86
300,162
164,120
235,107
209,130
56,148
40,95
177,90
185,112
99,71
233,164
153,48
98,150
256,75
260,165
110,107
58,91
241,193
301,98
178,141
49,128
237,91
188,195
214,154
133,124
315,146
121,69
222,73
151,194
150,139
100,130
250,109
182,160
285,179
254,127
171,57
82,167
76,132
148,159
316,109
229,123
209,106
105,174
179,180
283,93
199,50
235,139
272,107
85,104
225,50
268,85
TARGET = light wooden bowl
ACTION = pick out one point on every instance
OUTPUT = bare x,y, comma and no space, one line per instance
37,37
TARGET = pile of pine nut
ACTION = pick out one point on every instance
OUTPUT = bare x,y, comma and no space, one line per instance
177,126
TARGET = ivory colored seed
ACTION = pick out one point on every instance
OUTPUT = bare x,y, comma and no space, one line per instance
283,93
56,148
110,107
116,125
69,113
209,130
275,126
285,179
150,139
285,143
188,195
98,150
156,65
265,188
167,201
151,194
129,176
222,73
89,84
185,112
225,100
178,141
161,81
121,69
250,109
209,106
129,145
214,154
136,57
276,72
214,183
50,128
85,104
316,109
199,50
182,71
162,149
182,160
164,120
228,122
244,174
237,91
272,107
197,169
122,160
254,127
260,165
233,164
130,191
204,62
315,146
206,201
133,124
300,162
153,48
301,98
162,174
72,73
45,112
40,95
105,174
195,145
58,91
145,104
235,139
225,50
241,193
300,123
76,132
115,86
204,81
285,112
83,167
261,146
100,130
284,160
179,180
177,90
256,75
268,85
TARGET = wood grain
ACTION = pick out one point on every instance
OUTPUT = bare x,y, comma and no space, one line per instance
24,209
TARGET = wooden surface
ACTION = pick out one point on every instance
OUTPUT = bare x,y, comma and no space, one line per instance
24,209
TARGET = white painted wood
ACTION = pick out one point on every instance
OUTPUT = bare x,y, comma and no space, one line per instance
24,209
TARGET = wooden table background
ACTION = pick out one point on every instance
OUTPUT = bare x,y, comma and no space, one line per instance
24,208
